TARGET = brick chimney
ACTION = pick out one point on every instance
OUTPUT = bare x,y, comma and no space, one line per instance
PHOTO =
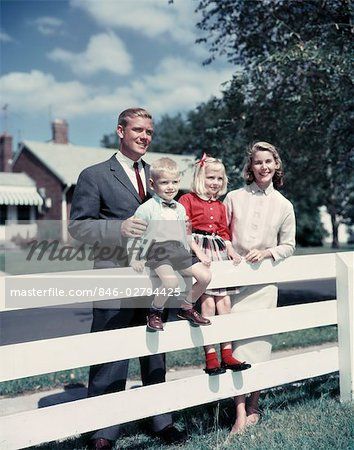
60,131
5,153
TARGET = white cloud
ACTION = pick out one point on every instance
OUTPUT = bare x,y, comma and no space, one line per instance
36,91
176,85
4,37
179,85
47,25
151,18
104,52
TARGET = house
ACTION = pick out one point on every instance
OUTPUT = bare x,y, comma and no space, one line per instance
19,205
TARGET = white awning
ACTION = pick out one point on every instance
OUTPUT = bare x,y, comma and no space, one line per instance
20,197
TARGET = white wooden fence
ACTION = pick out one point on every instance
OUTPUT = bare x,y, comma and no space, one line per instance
64,420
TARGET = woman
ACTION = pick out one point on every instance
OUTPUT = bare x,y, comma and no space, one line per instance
262,225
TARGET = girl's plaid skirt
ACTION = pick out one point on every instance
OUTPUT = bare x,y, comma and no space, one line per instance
214,247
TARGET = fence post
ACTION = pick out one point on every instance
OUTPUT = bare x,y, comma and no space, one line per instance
345,305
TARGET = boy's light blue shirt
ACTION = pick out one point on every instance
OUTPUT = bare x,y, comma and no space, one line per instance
152,212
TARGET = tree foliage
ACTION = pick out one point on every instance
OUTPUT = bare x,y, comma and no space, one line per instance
110,140
292,87
171,135
296,83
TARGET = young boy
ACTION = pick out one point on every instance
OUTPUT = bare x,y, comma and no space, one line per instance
164,246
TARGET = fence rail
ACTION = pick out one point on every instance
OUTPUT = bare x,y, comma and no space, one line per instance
297,268
60,421
83,350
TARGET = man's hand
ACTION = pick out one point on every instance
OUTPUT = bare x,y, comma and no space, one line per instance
133,227
256,256
138,266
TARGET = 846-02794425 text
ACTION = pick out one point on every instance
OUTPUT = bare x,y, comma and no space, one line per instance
95,292
139,292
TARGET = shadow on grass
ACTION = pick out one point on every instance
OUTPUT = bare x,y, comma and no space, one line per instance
278,398
204,423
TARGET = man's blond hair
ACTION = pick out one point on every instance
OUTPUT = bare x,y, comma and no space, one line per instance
133,112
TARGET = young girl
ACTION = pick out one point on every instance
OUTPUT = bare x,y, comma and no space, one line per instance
212,243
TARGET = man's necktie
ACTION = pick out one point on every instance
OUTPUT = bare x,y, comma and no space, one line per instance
138,179
169,205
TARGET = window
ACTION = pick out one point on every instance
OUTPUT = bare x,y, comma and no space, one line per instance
3,214
23,213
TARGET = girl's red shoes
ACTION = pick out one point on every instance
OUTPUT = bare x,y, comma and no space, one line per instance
213,367
212,364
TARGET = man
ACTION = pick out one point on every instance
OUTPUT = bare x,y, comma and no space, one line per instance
102,213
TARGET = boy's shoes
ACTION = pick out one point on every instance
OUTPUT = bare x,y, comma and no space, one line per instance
212,364
229,362
154,320
171,435
193,316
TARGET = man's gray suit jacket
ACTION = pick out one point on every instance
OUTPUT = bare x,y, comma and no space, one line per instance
104,197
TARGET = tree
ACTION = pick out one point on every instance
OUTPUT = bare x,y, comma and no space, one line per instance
110,140
171,135
296,83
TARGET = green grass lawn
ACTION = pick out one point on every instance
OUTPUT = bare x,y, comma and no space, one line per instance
306,415
181,358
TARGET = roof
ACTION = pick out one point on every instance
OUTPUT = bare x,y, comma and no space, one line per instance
66,161
15,179
18,189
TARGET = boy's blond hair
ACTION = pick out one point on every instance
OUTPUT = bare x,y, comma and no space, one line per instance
163,165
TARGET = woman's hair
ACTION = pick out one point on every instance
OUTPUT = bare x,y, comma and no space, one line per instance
198,184
263,146
163,165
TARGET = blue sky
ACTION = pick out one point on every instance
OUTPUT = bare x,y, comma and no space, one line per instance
86,60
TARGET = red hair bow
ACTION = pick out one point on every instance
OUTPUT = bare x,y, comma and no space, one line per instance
201,162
